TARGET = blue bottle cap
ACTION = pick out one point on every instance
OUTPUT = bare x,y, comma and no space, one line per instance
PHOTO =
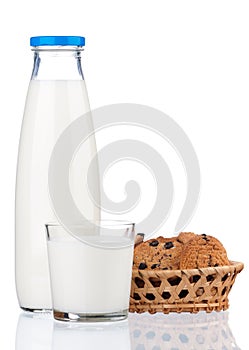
57,41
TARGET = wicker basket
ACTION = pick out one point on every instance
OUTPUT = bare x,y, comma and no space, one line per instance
194,290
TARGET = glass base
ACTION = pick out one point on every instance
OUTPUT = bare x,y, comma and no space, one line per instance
26,309
87,317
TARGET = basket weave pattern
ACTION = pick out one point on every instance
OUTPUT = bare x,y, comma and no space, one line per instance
192,290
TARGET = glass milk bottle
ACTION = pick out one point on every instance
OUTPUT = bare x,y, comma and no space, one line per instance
56,97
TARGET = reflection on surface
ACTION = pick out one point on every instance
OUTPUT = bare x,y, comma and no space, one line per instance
34,331
141,332
111,336
184,331
41,332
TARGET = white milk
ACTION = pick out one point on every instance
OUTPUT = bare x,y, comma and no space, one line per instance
87,279
50,107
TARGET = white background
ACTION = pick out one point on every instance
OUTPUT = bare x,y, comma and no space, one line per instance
189,59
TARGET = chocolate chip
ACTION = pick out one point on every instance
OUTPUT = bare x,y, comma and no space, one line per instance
168,245
142,266
204,236
154,243
165,268
154,266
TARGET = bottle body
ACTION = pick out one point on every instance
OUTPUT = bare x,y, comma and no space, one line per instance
51,106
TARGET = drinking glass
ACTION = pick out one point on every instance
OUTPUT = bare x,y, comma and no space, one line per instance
91,278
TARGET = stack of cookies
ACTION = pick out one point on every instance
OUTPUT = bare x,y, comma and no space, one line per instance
185,251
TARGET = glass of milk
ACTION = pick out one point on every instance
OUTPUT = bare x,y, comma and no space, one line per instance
91,277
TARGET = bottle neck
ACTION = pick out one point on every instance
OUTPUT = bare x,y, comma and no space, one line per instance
57,64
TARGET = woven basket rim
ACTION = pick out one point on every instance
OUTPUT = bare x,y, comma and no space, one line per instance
234,265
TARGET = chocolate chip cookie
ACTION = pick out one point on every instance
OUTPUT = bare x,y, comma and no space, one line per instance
158,254
203,251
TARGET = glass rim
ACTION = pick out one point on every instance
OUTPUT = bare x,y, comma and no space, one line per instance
127,228
105,222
